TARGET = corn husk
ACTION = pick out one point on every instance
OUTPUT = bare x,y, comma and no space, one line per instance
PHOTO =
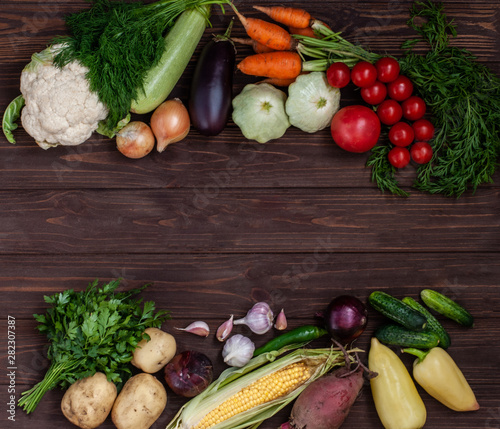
233,380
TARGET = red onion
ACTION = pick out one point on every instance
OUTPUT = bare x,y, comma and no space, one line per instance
189,373
345,318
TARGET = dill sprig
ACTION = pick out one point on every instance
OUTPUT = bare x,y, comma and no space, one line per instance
464,98
119,42
383,173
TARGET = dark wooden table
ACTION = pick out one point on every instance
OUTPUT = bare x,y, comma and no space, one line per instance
217,224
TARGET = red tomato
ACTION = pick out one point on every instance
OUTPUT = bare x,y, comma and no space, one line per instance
387,69
400,89
424,130
413,108
364,74
338,75
399,157
355,128
401,134
389,112
421,152
374,94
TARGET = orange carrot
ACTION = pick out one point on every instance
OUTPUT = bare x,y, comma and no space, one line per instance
267,33
290,16
258,48
276,81
280,64
307,31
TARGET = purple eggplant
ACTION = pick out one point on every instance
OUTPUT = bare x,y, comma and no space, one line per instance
212,86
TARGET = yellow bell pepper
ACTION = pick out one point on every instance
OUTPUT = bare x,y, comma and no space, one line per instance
396,398
439,375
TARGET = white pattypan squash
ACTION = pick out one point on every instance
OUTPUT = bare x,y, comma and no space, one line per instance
259,111
312,102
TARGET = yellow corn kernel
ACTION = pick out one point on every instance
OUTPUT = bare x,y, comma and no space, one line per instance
265,389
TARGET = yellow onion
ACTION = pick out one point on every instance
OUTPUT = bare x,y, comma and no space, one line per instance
170,123
135,140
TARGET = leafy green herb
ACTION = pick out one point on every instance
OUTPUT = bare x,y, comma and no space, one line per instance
119,42
464,98
10,116
95,330
383,173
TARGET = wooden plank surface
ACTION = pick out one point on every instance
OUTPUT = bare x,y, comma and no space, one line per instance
216,224
212,219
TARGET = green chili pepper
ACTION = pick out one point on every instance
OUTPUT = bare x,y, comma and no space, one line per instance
302,334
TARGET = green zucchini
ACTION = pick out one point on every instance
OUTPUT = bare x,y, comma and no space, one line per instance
432,323
397,335
397,310
447,307
180,44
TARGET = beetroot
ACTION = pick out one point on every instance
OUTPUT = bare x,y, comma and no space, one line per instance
326,402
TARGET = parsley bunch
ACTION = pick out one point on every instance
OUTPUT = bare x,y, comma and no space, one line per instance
95,330
464,97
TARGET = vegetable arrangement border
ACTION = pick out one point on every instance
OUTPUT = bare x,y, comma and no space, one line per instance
462,94
98,334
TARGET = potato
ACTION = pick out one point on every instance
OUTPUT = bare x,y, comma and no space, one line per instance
88,401
151,356
140,403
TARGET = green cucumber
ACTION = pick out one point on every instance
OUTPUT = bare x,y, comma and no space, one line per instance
433,324
396,335
180,44
397,310
447,307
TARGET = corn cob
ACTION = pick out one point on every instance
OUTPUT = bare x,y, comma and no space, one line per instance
244,397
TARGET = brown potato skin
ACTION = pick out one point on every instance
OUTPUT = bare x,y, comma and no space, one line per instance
140,403
151,356
88,402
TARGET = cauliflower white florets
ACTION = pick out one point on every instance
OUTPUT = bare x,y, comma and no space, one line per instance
60,108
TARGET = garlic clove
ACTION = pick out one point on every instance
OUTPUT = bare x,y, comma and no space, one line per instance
281,322
238,350
225,329
259,318
199,328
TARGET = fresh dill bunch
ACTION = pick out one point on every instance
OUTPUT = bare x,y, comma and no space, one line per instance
119,42
464,98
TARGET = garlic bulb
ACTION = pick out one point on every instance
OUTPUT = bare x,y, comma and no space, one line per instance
259,318
238,350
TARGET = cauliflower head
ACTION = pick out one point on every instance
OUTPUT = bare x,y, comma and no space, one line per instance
60,109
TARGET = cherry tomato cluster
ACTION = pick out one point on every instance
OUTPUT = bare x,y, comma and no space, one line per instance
382,85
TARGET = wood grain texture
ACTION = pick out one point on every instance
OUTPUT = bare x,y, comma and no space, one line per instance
212,219
217,224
